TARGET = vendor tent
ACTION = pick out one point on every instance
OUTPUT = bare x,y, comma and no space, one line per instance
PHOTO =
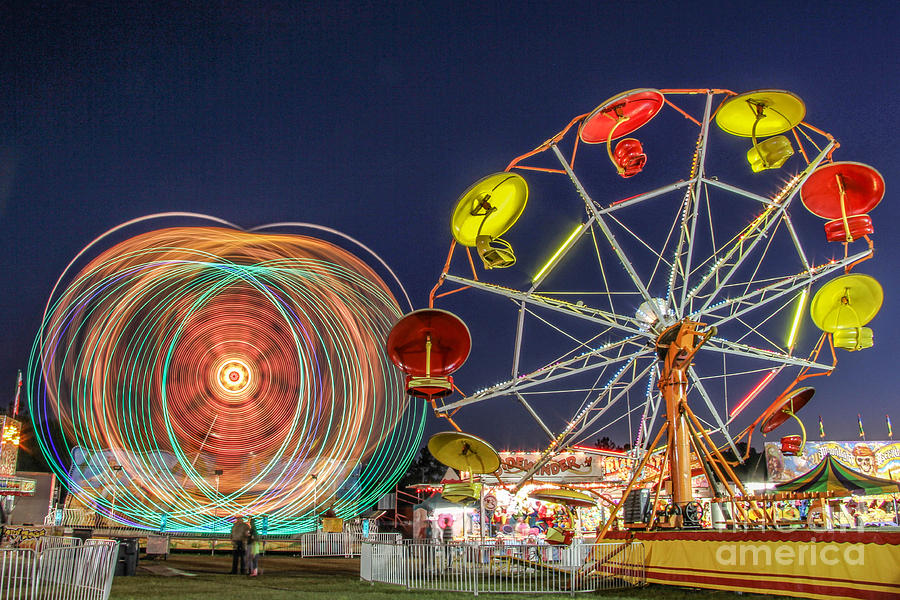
435,503
833,476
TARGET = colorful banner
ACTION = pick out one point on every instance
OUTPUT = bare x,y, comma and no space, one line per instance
16,486
576,466
22,537
566,467
876,459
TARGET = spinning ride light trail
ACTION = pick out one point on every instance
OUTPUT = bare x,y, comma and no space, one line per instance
713,251
202,372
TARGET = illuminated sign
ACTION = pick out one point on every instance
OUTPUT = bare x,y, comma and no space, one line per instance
876,459
9,445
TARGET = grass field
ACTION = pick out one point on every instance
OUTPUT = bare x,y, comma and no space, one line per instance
205,577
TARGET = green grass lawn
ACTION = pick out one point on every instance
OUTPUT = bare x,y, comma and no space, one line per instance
205,577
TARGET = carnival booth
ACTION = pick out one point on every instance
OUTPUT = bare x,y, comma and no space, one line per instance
861,480
569,497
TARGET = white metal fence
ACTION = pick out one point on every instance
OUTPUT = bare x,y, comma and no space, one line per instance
340,544
512,568
17,573
62,569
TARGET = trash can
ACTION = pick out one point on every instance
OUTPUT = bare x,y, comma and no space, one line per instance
127,560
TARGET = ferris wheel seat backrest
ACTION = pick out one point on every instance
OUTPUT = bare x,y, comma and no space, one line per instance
770,154
494,253
629,156
790,445
855,227
429,387
854,338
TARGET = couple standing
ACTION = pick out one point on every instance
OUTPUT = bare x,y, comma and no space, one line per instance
245,542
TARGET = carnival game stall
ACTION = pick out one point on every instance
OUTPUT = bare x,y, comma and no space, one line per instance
861,479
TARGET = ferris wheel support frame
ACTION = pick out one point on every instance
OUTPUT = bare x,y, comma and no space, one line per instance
704,291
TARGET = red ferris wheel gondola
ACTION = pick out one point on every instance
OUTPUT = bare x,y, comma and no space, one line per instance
844,193
428,345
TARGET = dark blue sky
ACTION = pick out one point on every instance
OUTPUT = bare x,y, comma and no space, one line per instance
373,118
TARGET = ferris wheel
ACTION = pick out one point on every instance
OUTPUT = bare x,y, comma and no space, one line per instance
692,273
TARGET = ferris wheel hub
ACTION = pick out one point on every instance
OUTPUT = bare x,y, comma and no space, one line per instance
654,315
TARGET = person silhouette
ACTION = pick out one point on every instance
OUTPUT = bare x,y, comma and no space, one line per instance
240,531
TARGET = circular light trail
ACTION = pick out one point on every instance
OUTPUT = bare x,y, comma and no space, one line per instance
197,373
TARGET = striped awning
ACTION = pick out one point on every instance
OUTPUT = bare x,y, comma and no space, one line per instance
833,476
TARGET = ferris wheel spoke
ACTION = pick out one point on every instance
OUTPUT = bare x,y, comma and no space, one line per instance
528,408
648,404
766,294
682,256
658,254
740,248
625,324
651,424
756,330
580,345
716,344
625,203
789,224
607,232
690,214
569,432
622,416
553,372
736,190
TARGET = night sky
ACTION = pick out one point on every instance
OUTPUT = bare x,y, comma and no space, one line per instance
372,119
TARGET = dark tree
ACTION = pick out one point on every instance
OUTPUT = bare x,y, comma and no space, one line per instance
424,469
754,467
605,443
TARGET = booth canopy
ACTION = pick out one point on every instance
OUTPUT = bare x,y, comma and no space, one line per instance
435,503
833,476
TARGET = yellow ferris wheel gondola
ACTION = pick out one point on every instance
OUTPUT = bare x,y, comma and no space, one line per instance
844,305
564,496
763,113
486,211
464,452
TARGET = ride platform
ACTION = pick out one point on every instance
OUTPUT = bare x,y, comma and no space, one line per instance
823,564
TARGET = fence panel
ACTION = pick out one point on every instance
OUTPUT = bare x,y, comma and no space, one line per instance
82,572
16,573
510,568
325,544
56,541
340,544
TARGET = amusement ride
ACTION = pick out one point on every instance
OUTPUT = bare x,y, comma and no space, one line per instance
665,307
185,375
